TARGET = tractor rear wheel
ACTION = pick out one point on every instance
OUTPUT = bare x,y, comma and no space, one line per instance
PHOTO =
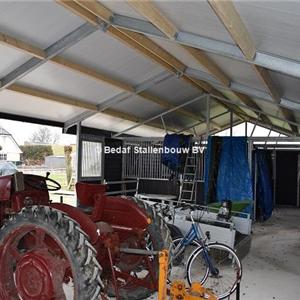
45,255
156,238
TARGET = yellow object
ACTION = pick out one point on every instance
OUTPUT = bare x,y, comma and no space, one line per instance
163,274
178,289
195,292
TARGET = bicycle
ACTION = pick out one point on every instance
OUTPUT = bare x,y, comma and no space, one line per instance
216,266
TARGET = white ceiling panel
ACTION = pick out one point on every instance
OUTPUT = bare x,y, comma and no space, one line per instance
106,54
56,79
290,86
19,104
40,23
238,71
121,8
179,52
174,90
195,17
273,25
109,123
10,59
140,107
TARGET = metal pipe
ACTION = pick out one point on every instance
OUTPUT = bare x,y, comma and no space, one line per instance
161,114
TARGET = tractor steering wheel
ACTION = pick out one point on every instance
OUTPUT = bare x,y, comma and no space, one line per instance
42,183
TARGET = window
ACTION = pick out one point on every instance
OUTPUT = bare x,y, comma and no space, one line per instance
91,164
3,156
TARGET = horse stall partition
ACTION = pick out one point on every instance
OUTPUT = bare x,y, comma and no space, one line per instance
144,163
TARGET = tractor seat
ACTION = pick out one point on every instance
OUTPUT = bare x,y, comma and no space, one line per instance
89,195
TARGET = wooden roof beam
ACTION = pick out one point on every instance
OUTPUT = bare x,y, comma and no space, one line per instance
235,26
152,13
33,92
21,45
145,46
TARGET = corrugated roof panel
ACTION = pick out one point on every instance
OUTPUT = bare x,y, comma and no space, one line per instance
65,82
121,8
269,107
106,54
140,107
289,86
40,23
174,90
273,25
280,123
180,53
194,16
15,103
109,123
238,71
10,59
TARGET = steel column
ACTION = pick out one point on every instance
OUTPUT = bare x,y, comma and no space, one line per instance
231,122
207,115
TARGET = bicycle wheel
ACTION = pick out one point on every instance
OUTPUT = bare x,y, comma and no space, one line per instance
228,266
181,255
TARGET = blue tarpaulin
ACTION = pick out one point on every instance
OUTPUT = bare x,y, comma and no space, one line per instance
172,158
264,195
233,179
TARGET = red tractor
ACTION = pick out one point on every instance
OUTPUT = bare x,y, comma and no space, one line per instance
56,251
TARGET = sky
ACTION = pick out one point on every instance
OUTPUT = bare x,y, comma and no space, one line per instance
22,131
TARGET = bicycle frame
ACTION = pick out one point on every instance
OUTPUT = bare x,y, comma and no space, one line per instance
196,235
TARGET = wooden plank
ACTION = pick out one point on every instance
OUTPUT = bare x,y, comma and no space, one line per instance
151,50
265,77
209,65
229,16
33,92
22,46
157,50
153,14
51,96
79,11
92,73
97,9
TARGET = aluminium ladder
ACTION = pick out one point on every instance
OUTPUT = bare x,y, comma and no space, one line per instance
189,176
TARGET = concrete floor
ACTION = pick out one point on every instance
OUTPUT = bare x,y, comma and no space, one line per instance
271,270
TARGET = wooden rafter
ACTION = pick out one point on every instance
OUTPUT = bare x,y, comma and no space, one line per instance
79,11
232,21
150,49
38,93
149,11
21,45
153,14
96,75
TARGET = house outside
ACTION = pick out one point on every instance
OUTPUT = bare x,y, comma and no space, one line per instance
10,150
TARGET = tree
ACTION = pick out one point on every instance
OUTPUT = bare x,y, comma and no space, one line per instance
35,154
44,136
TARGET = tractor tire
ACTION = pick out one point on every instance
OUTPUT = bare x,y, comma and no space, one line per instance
161,239
71,240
